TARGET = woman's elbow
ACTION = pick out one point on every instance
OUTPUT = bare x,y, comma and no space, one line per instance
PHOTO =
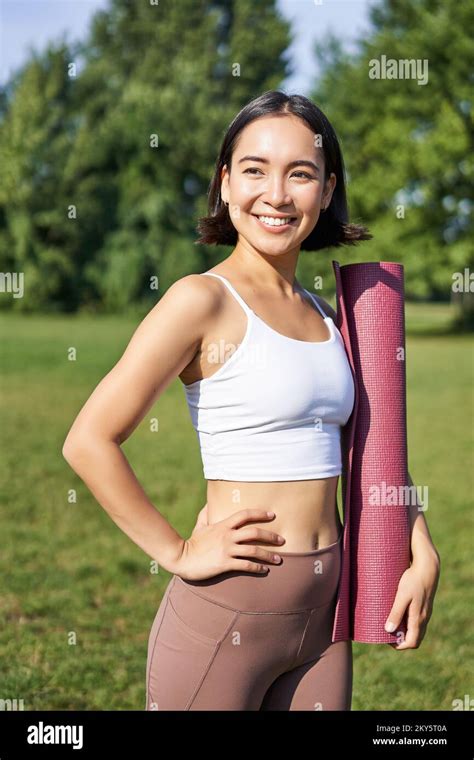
72,448
77,447
82,446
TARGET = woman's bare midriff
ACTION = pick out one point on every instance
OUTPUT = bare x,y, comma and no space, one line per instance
306,512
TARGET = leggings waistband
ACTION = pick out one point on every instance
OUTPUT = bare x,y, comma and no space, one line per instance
301,581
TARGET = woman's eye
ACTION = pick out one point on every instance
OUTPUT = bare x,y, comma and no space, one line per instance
253,169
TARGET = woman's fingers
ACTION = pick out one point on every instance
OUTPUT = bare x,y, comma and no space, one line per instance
253,533
247,566
237,519
415,629
256,553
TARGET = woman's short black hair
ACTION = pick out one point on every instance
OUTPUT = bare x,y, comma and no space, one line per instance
332,228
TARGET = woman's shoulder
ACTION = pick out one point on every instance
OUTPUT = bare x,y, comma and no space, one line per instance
196,291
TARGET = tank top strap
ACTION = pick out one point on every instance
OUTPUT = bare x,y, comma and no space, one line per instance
314,300
231,288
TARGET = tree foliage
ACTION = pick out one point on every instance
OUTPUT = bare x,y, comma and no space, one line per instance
106,172
409,146
107,147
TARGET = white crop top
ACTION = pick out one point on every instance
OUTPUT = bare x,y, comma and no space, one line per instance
273,409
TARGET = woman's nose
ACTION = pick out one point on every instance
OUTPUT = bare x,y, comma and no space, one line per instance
277,193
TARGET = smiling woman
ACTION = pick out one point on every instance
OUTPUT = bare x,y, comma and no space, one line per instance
247,621
323,167
268,419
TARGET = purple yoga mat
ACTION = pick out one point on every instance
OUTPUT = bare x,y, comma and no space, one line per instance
376,541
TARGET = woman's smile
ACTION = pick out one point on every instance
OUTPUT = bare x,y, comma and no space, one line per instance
275,224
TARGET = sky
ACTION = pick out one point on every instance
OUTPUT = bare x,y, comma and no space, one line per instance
26,24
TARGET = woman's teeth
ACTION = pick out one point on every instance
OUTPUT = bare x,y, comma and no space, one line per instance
275,222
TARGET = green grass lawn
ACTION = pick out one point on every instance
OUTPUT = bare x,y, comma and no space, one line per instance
78,598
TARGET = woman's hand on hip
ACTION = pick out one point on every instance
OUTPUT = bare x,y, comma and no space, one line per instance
220,547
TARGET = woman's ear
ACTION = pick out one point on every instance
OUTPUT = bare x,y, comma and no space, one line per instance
225,184
328,191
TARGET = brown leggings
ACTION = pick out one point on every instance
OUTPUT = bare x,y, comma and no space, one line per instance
250,641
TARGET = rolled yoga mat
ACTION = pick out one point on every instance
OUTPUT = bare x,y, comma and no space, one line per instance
376,541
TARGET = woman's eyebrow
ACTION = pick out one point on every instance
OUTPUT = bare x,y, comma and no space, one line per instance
298,162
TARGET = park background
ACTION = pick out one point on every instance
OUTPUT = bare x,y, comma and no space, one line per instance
91,212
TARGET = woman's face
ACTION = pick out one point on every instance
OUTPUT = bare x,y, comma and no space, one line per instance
266,182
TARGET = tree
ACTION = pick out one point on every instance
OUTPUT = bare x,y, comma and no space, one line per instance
408,146
36,236
134,154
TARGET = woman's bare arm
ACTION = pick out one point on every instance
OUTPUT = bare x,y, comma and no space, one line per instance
162,345
421,543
